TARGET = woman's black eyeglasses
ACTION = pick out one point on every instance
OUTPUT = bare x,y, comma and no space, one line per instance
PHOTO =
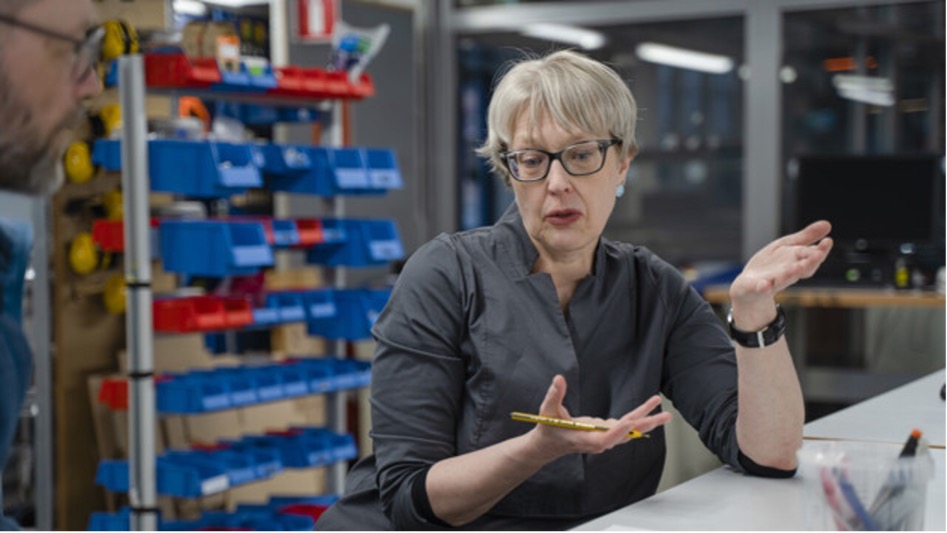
579,159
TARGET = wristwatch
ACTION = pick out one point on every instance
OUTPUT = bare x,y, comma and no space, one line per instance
762,338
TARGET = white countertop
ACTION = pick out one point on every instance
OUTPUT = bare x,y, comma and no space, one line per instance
726,500
890,416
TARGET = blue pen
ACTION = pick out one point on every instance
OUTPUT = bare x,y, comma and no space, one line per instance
848,491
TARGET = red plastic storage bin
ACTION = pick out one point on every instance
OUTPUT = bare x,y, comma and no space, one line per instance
310,231
201,313
177,70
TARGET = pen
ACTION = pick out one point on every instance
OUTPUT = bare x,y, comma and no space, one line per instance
568,424
848,492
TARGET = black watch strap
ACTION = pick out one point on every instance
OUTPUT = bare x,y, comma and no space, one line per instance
762,338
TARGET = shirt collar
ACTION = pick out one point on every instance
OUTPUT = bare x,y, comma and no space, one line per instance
520,254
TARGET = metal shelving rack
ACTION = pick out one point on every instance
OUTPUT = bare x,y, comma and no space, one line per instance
142,492
142,408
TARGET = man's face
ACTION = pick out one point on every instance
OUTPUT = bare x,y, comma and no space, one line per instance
40,94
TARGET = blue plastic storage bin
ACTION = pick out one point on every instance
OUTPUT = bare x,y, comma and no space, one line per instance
319,304
341,446
356,312
299,169
304,450
352,373
285,161
191,480
107,153
173,479
193,473
325,171
255,517
279,307
238,467
319,373
120,521
198,168
214,248
295,382
265,516
284,232
243,520
203,169
276,502
350,170
201,391
188,393
113,475
290,305
368,243
383,172
269,382
265,316
243,388
265,115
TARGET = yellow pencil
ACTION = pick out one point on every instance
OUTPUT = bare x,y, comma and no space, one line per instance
568,424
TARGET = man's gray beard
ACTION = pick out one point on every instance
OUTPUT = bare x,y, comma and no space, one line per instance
47,175
28,163
30,175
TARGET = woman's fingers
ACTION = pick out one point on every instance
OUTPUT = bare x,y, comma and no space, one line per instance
552,403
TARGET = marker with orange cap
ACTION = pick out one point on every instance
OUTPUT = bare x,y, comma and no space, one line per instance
910,446
887,508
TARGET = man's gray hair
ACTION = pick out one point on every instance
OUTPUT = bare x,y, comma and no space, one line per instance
10,8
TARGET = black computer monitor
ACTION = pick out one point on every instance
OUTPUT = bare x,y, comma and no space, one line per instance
874,202
880,207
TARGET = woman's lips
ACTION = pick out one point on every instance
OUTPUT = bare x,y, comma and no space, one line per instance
563,217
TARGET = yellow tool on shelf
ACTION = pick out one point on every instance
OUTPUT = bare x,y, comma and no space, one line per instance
120,38
77,162
113,294
106,120
113,204
84,257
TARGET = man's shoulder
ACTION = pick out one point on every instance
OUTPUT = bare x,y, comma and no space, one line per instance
15,348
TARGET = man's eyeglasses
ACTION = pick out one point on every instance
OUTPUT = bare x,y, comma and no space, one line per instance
579,159
87,51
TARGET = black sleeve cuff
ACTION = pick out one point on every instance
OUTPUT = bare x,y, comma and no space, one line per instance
421,502
750,467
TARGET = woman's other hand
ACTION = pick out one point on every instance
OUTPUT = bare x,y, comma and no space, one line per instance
775,267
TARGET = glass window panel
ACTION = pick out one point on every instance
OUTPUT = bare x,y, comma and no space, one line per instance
866,81
684,195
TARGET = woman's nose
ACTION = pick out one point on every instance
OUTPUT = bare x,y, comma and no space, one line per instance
558,179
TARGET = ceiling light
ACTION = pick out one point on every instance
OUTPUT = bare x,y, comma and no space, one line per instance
191,8
684,58
870,90
561,33
237,3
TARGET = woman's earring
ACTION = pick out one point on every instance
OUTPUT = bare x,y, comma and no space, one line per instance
620,190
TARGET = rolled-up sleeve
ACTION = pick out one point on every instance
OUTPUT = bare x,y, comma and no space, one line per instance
700,372
417,377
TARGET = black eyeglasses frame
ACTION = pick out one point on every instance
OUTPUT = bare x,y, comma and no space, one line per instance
603,144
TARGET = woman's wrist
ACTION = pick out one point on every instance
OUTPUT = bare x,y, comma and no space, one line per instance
753,315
